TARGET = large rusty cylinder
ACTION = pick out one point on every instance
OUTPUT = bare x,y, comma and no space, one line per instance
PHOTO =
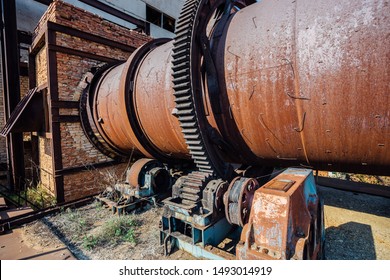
155,102
133,105
308,82
300,83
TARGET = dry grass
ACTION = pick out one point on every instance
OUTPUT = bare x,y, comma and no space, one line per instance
38,235
93,232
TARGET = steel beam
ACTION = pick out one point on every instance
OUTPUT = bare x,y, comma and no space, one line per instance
11,90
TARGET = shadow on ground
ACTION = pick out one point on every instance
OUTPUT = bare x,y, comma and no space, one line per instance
350,241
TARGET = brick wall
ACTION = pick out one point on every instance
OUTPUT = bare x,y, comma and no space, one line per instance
98,179
24,86
76,150
41,67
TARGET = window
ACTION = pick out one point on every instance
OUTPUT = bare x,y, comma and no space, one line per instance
168,23
160,19
153,16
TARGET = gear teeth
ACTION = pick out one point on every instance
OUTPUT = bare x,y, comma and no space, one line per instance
182,86
192,187
181,68
184,92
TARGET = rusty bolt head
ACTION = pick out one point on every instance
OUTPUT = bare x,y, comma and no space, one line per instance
265,251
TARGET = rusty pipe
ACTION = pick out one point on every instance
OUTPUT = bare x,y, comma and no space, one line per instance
307,83
133,103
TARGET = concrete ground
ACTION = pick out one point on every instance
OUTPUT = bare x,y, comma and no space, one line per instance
15,246
357,226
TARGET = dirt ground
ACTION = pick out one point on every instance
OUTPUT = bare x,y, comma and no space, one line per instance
19,244
357,227
146,234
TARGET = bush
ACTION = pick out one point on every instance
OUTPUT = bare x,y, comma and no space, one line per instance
40,196
116,230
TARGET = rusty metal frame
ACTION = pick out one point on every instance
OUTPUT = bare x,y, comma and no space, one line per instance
27,115
65,118
65,104
350,186
19,220
55,129
77,169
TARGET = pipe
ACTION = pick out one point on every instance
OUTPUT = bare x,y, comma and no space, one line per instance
301,83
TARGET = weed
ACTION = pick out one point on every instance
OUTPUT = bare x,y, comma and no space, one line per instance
118,229
114,231
89,242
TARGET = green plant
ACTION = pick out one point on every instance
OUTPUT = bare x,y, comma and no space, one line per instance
39,196
116,230
89,242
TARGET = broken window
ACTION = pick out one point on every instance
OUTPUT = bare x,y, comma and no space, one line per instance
160,19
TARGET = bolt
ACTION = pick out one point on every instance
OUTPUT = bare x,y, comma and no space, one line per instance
244,211
265,251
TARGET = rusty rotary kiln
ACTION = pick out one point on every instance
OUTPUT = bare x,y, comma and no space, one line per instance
245,87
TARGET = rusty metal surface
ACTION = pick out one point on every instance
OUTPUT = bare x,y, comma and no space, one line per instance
308,82
109,110
132,175
155,103
238,200
28,115
285,220
131,111
305,84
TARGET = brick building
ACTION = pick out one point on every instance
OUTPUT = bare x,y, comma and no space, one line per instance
66,45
